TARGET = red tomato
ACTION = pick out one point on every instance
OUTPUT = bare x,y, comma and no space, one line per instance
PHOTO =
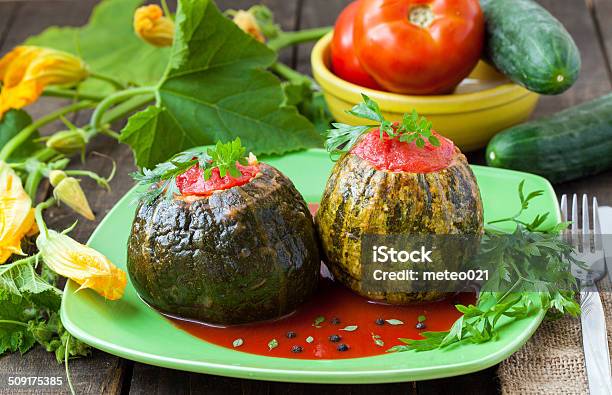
192,181
393,155
421,47
344,60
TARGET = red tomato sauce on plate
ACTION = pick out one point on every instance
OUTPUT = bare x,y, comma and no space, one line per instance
341,309
393,155
333,301
192,183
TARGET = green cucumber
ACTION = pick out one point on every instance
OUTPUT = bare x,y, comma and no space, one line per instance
573,143
530,46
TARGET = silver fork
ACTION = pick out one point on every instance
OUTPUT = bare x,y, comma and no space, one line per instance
588,248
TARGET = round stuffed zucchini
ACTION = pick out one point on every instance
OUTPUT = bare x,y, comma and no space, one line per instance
243,254
384,186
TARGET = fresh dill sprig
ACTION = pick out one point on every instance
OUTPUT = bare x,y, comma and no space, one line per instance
412,128
162,179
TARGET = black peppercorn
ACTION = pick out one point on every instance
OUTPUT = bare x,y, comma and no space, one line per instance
296,349
334,338
420,325
291,335
380,321
343,347
335,321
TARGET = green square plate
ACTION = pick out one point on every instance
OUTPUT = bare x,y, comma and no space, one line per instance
130,329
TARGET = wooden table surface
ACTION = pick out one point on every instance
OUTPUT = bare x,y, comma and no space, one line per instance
586,20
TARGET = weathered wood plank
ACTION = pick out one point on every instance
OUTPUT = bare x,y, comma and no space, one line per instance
484,382
175,382
101,373
593,82
602,9
97,374
316,13
7,12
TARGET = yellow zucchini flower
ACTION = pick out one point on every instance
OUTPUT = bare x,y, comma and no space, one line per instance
16,213
82,264
248,23
27,70
152,26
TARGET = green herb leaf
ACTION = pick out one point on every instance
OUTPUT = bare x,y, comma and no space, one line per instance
431,341
421,318
162,179
225,156
272,344
377,340
309,339
216,88
343,137
531,264
238,342
369,109
540,219
318,321
29,313
394,322
350,328
417,129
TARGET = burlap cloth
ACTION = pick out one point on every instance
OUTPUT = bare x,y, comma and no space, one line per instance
552,361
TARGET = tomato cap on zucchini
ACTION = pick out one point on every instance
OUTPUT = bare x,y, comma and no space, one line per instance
193,183
393,155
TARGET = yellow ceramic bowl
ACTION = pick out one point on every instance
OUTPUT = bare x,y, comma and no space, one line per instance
482,105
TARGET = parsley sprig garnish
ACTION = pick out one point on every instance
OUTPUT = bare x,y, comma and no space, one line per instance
162,179
529,272
29,311
537,221
225,157
412,128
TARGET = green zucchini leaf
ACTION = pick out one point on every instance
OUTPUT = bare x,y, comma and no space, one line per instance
109,46
11,124
216,88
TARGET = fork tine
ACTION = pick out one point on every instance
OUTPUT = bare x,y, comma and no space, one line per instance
598,237
586,226
563,207
574,228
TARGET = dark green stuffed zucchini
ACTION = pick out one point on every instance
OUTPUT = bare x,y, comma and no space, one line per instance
244,254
